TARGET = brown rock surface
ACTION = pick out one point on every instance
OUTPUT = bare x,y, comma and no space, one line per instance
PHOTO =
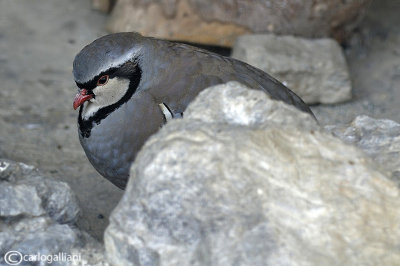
180,22
219,22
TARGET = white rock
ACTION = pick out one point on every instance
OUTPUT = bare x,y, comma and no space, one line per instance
225,186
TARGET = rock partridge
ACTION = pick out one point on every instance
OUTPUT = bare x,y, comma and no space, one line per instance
130,85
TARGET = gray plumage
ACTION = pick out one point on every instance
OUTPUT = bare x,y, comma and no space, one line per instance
171,74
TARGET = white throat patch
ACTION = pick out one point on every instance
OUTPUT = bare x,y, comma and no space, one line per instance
106,95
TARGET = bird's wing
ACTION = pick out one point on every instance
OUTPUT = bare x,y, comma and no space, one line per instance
187,70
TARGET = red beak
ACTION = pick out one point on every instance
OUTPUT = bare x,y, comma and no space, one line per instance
81,97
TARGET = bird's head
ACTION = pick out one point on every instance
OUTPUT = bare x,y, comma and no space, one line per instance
107,73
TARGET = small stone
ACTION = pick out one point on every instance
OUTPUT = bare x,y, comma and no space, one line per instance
24,191
316,70
19,200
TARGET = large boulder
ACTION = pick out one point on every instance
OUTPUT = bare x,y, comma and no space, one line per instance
220,22
245,180
315,69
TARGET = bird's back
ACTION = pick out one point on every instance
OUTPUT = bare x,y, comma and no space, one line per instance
185,70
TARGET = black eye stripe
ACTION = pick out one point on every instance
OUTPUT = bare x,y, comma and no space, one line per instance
91,84
124,70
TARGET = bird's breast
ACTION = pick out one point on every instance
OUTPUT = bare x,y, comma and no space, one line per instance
114,142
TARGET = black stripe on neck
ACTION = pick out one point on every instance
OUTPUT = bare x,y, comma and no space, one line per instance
129,70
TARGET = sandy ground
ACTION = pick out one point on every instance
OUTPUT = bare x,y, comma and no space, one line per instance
38,42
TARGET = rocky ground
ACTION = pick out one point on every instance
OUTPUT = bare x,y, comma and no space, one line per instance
38,41
373,56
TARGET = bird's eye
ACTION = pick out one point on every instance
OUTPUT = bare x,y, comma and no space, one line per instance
102,80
